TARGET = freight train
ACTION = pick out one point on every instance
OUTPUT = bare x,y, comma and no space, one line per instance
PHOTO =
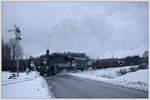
54,63
105,63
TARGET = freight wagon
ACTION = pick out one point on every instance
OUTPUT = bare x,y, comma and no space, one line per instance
105,63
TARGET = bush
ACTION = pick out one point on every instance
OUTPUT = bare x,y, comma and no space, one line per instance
122,71
133,69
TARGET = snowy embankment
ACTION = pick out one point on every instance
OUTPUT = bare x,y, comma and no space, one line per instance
25,86
137,80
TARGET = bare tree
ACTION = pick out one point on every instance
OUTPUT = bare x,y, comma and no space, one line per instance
16,49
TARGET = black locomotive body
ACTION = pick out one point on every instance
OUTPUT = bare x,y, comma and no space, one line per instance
46,68
52,64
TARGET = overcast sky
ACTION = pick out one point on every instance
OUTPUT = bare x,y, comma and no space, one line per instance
99,29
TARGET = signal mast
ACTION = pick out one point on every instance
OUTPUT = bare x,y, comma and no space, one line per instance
17,32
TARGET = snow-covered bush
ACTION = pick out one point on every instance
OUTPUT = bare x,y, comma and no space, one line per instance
133,69
122,71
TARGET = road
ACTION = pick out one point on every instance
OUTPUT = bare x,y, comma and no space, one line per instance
66,86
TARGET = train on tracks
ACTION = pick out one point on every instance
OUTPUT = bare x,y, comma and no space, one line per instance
54,63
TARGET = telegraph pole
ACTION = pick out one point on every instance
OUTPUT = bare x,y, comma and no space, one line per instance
26,60
27,70
17,40
17,68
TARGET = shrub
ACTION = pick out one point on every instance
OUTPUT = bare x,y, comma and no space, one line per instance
133,69
122,71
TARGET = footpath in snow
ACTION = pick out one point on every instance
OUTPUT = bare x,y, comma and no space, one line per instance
25,86
137,80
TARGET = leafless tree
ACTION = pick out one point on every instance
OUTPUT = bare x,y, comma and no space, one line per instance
16,49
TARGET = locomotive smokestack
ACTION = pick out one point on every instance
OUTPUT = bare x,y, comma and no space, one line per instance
47,52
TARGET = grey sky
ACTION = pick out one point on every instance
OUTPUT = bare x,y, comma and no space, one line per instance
97,28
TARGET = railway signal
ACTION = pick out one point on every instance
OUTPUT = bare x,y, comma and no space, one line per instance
17,32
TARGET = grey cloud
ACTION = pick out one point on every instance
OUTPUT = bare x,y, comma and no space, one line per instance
100,29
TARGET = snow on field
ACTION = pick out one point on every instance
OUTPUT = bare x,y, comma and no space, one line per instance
25,86
137,80
108,72
140,75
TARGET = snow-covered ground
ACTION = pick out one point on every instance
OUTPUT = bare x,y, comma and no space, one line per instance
136,80
25,86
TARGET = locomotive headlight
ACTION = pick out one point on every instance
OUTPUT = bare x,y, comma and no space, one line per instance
47,67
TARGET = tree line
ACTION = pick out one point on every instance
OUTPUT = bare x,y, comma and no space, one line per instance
11,51
136,59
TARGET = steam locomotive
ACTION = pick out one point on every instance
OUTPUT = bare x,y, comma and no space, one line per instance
54,63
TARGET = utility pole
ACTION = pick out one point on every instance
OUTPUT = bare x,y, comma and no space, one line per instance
27,70
14,52
17,68
26,60
17,40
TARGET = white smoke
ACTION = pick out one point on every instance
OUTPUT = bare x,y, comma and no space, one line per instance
92,31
